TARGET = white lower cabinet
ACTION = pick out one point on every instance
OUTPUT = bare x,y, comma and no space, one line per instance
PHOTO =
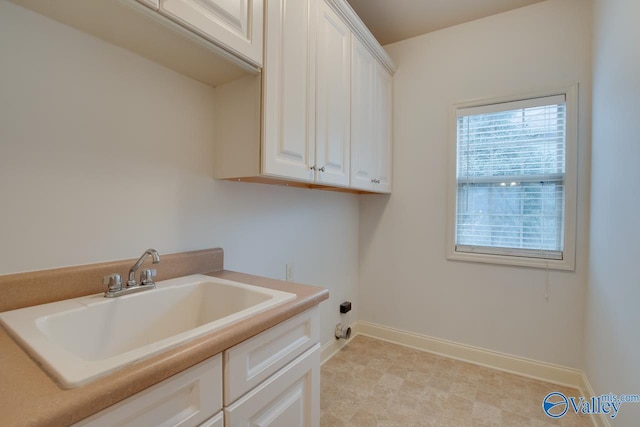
289,398
271,379
251,362
187,399
215,421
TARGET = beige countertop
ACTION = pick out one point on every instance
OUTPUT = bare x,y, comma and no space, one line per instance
29,397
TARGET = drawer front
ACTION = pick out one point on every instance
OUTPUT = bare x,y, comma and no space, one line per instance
290,398
186,399
249,363
216,421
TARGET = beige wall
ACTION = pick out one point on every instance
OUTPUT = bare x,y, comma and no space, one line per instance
612,343
406,281
103,154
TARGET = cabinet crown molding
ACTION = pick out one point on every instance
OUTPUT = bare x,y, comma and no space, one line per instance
351,18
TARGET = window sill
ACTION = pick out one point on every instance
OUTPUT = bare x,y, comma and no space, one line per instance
519,261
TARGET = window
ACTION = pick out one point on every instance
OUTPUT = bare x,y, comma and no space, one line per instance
514,181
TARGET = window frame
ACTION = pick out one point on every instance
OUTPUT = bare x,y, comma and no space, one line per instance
571,177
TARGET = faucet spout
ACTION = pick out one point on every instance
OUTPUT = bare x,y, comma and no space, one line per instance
132,273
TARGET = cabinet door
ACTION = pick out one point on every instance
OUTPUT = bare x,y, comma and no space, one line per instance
289,398
333,85
234,24
382,122
362,113
288,142
215,421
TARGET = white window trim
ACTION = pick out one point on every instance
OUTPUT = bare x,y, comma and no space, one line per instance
571,186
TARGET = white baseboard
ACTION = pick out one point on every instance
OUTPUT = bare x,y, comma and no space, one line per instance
556,374
530,368
598,420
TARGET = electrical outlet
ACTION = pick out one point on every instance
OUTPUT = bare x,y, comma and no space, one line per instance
289,272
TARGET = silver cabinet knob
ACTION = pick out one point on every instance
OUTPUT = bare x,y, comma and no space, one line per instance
375,181
113,281
321,169
313,167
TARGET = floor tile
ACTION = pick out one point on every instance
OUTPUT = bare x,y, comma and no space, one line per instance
373,383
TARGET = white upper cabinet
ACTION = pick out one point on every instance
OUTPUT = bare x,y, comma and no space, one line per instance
306,87
212,41
153,4
333,104
370,122
362,132
288,143
235,24
320,115
382,125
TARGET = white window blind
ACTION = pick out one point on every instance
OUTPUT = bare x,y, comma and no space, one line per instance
511,178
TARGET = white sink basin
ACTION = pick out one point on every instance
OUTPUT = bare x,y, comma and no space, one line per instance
81,339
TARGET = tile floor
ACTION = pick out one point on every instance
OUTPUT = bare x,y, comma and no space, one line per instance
375,383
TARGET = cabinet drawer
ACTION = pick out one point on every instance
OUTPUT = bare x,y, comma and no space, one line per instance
249,363
186,399
290,398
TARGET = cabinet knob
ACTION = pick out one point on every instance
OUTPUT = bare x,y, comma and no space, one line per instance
321,169
313,167
375,181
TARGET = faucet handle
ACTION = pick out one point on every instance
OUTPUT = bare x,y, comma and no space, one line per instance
113,281
146,277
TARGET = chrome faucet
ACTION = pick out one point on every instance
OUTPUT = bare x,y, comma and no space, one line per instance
147,275
114,281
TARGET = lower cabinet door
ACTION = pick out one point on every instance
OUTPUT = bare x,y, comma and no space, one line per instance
216,421
289,398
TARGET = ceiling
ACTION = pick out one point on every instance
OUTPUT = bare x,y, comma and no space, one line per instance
394,20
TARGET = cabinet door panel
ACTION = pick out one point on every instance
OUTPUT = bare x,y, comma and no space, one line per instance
289,398
333,85
383,131
288,90
362,113
235,24
216,421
